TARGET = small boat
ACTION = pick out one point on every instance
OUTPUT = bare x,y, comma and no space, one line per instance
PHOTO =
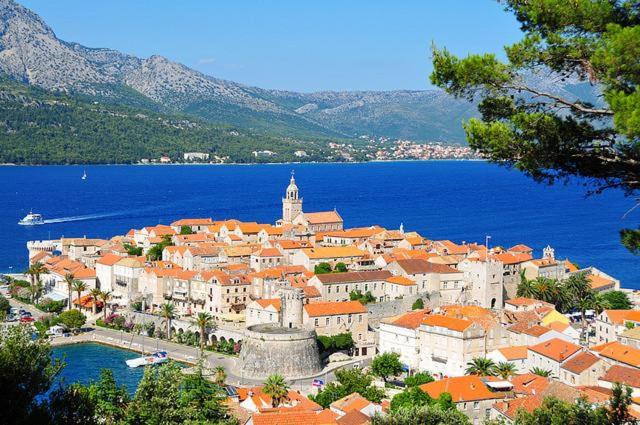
84,175
31,219
152,359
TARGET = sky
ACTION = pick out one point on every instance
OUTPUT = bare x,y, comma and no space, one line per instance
290,45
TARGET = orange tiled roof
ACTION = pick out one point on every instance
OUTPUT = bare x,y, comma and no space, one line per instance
580,362
193,222
333,252
420,266
556,349
558,326
599,282
410,320
623,374
294,417
109,259
401,280
323,217
266,302
334,308
510,408
520,248
455,324
619,352
520,301
529,383
514,352
619,317
353,401
463,388
268,252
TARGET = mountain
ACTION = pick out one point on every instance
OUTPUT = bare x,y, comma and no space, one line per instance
43,127
31,53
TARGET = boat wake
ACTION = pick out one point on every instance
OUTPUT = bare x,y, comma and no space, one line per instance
80,218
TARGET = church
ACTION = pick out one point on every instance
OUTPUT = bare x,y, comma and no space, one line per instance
323,221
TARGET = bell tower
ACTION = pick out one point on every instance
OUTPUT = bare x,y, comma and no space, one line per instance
291,203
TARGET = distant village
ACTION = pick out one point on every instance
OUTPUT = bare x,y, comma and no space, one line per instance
366,149
436,305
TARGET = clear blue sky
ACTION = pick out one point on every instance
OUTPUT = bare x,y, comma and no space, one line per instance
295,45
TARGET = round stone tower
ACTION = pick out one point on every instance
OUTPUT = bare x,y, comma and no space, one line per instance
291,303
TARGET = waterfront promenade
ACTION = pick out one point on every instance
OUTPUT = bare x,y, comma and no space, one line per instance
183,353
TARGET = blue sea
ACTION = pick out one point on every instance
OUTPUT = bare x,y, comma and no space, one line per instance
85,361
457,200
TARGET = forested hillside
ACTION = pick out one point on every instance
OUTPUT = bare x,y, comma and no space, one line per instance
41,127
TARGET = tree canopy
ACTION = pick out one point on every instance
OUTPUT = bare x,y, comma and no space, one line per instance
552,134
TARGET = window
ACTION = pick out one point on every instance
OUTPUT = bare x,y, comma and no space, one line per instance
317,322
476,404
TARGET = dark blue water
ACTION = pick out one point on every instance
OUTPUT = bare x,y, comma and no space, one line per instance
84,362
462,201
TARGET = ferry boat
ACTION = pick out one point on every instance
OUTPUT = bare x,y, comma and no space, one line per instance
31,219
152,359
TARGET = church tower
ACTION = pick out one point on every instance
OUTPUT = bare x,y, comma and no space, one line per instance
291,203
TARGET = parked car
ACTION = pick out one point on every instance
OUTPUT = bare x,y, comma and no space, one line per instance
27,319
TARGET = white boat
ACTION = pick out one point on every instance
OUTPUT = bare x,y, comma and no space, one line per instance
84,175
31,219
152,359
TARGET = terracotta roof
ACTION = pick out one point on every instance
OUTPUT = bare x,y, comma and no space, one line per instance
275,302
536,330
420,266
356,233
599,282
580,362
293,417
348,277
333,252
623,374
514,352
511,258
618,317
353,401
401,280
529,383
510,408
556,349
619,352
558,326
455,324
410,320
289,244
334,308
268,252
323,217
520,248
354,417
192,222
520,301
463,388
86,301
311,292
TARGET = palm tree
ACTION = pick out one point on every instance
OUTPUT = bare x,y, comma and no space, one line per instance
220,375
95,294
505,369
79,286
542,372
69,278
580,290
105,296
481,366
276,387
167,310
204,321
35,271
525,288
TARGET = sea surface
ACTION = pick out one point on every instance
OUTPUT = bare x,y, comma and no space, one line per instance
457,200
83,363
